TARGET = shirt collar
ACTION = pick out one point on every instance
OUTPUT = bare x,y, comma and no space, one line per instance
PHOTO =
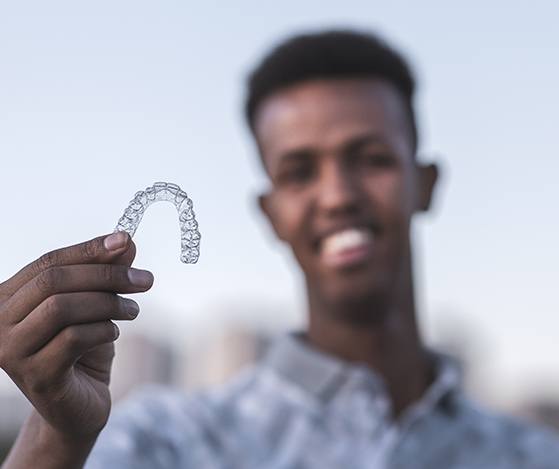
305,366
321,374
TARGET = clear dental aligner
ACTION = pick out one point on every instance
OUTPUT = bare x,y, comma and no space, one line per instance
165,191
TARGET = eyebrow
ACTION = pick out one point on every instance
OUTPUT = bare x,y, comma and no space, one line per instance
306,153
299,154
360,141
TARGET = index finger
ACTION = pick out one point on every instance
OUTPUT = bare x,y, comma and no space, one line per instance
102,249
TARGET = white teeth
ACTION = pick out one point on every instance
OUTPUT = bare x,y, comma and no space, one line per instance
347,239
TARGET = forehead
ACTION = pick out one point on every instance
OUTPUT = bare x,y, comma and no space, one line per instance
323,114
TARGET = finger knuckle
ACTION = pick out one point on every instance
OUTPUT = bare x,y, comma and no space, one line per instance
89,250
54,309
49,279
71,338
48,260
107,273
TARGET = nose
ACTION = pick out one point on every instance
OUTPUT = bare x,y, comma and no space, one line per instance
338,191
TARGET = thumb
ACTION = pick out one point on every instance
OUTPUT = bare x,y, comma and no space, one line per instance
127,257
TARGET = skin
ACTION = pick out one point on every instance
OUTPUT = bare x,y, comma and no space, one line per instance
56,344
339,153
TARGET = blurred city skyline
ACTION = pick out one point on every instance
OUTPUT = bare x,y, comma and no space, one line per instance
99,100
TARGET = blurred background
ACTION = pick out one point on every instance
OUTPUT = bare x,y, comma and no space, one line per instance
100,99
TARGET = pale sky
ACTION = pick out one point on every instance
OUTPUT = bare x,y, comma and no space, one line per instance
101,99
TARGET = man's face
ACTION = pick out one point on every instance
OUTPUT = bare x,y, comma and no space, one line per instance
344,183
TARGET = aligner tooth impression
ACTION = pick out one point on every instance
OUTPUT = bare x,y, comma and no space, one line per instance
160,192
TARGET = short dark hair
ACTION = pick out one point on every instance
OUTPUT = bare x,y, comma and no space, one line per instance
330,54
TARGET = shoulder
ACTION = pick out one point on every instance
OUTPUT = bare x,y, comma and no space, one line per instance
525,443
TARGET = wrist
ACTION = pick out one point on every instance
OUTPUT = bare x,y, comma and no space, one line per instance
73,447
41,446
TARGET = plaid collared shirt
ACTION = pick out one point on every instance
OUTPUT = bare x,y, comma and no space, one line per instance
301,409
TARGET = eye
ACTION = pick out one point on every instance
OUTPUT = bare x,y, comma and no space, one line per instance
295,174
377,160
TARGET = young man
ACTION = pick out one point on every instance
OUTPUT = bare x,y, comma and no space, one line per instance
333,120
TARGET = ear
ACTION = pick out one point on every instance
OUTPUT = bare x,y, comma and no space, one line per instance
266,205
427,177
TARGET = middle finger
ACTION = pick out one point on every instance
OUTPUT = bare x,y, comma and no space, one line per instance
73,279
62,310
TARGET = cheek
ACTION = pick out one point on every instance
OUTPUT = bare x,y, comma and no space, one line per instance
289,217
390,195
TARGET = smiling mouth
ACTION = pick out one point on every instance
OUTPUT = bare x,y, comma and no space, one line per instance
347,248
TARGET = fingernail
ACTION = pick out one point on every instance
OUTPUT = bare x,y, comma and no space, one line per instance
115,241
130,307
140,278
117,331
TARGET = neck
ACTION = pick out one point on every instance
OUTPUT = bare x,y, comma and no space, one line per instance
390,344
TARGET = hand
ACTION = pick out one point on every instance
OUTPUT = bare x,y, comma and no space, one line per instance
56,333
